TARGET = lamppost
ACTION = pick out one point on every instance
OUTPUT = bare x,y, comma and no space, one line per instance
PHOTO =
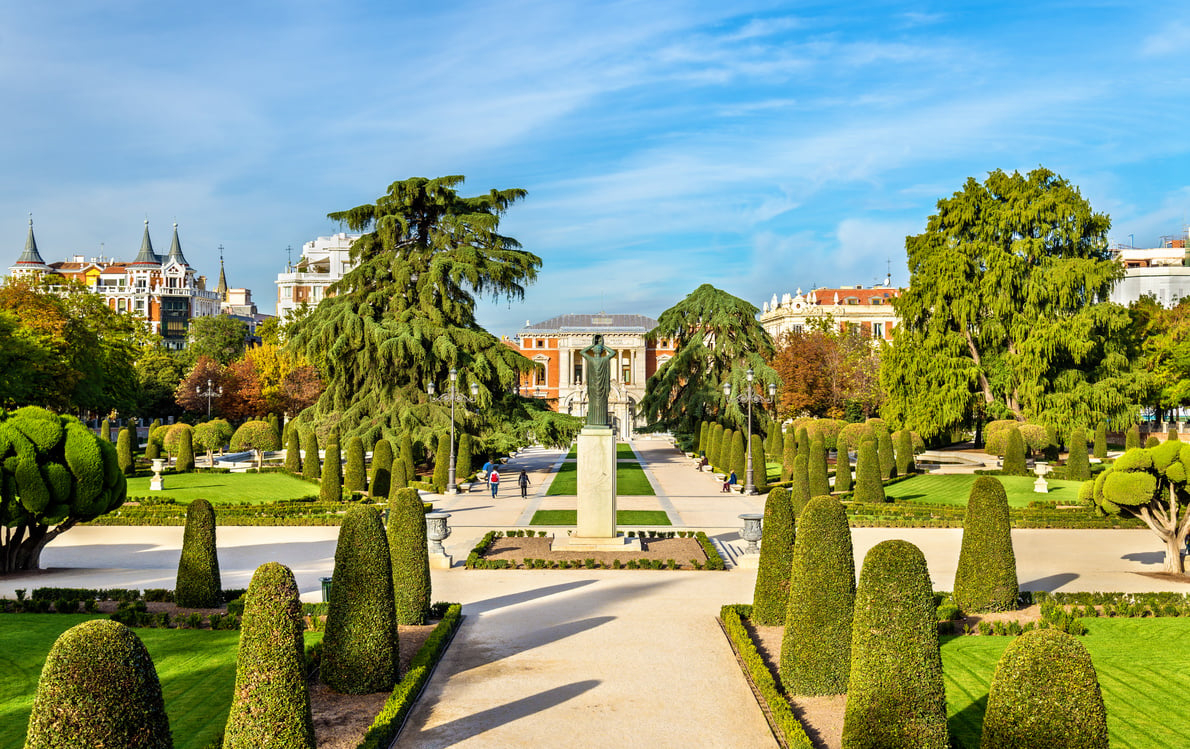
452,397
210,392
749,398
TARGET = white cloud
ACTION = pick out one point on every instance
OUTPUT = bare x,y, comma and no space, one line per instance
1170,39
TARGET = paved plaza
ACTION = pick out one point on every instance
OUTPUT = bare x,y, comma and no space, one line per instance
585,657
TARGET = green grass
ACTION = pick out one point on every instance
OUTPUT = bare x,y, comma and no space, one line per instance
253,488
953,489
623,450
623,517
1142,664
630,481
197,669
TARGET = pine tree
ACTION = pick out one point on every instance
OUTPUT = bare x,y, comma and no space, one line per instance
330,489
354,477
817,476
124,452
868,486
382,469
311,471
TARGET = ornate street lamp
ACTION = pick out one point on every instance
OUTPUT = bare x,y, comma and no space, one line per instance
749,398
452,398
210,392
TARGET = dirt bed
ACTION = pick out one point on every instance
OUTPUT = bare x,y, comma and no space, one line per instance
516,550
822,717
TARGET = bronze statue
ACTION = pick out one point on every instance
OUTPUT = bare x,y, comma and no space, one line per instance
599,380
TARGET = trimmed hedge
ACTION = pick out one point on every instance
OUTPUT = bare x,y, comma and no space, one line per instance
463,463
868,486
714,561
124,452
354,478
311,470
818,479
1014,454
360,646
441,463
1100,440
986,576
895,693
405,451
738,459
884,451
382,469
842,467
816,648
904,450
98,688
771,594
293,453
198,585
1078,466
271,702
330,488
799,487
760,474
410,556
1045,692
788,453
1132,438
185,462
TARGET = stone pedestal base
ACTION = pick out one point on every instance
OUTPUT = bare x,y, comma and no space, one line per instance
440,561
1040,486
585,543
596,483
156,484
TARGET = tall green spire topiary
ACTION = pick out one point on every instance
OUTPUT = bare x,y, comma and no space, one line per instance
275,423
788,453
1078,467
760,473
842,466
105,431
904,449
771,594
1052,449
311,470
382,469
406,452
399,479
1014,454
737,455
354,478
98,688
463,462
702,437
816,647
152,448
775,443
410,556
818,478
1045,692
198,585
185,461
1172,433
1100,440
293,453
716,445
441,463
1132,438
986,576
271,703
799,487
360,646
124,452
895,692
884,452
330,488
803,442
868,486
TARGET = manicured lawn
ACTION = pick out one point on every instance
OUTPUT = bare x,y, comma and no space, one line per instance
1142,665
197,670
623,450
630,481
254,488
954,489
623,517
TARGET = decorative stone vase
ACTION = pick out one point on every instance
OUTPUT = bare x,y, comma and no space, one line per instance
1041,486
156,484
752,531
437,531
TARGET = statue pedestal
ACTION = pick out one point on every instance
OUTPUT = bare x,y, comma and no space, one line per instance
596,495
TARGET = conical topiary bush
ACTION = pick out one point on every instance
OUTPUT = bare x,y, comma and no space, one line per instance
382,469
816,648
271,703
788,453
895,693
1132,438
738,458
198,585
760,473
354,478
311,468
1100,440
124,452
185,462
776,555
1045,692
360,645
799,488
904,448
884,451
842,467
818,478
986,576
406,452
410,556
442,463
330,487
105,431
463,466
1078,465
868,486
293,452
98,688
1014,454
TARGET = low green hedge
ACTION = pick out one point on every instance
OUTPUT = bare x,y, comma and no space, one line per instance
476,560
392,716
789,731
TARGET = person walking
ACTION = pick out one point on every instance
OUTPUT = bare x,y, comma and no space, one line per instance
523,482
494,481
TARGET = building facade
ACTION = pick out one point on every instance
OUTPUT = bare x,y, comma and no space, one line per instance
1162,272
163,290
556,345
323,261
868,311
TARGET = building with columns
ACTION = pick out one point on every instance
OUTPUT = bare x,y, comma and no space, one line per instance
555,345
868,311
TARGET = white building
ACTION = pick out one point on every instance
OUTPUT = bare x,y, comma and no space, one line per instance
323,261
867,311
1157,271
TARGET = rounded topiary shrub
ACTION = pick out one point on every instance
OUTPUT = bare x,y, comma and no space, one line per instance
98,688
360,646
330,488
382,469
1014,454
1045,693
817,477
895,693
799,488
410,556
986,575
293,453
311,470
198,585
124,452
354,478
868,486
816,648
1078,465
1152,441
776,555
271,702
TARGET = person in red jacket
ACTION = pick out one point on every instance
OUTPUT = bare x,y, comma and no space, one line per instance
494,481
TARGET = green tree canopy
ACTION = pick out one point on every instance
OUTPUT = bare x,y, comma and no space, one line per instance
718,339
221,337
1005,315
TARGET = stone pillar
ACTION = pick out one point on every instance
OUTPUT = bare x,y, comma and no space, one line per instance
596,529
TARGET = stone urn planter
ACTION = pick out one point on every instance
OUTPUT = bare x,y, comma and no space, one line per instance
751,531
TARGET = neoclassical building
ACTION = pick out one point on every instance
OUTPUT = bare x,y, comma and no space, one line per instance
866,310
162,289
555,345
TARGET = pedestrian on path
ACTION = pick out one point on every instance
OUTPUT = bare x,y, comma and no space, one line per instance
729,482
523,482
494,481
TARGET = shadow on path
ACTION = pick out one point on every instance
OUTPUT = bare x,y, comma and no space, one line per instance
1146,557
461,729
1050,582
490,604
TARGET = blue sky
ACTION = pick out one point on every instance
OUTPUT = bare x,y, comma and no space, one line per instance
757,146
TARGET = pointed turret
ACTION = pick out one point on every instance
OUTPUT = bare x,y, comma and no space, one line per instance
175,250
221,289
146,256
30,258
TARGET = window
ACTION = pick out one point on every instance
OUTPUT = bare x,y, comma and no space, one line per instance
578,371
540,343
626,374
878,330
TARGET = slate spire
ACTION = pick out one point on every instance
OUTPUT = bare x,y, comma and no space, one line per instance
146,256
30,256
175,249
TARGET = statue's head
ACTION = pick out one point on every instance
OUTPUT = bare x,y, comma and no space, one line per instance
597,339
